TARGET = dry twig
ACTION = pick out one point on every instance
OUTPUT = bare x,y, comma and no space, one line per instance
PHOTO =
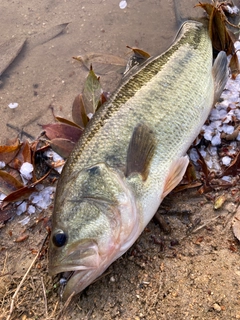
45,298
61,314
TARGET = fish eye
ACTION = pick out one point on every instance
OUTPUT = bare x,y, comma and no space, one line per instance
59,238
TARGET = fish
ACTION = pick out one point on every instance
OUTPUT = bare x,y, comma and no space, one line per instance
131,155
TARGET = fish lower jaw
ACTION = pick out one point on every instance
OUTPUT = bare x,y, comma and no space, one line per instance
79,280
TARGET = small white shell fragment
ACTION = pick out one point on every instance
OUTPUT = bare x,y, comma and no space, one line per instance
193,155
31,209
123,4
26,170
232,10
13,105
216,140
52,154
43,198
209,163
90,115
56,157
228,129
2,164
227,178
203,153
2,196
208,135
24,221
22,207
226,160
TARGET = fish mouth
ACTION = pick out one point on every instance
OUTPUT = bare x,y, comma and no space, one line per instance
77,266
73,282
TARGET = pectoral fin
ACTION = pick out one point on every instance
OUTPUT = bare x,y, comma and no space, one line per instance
220,74
176,172
140,151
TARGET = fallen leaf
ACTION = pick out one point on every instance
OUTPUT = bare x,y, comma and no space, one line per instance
140,53
187,186
8,152
66,121
62,130
8,183
234,66
22,238
78,112
7,213
24,155
63,147
102,63
232,170
221,39
204,167
20,194
91,93
139,56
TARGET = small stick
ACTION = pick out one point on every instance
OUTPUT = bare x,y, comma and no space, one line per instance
61,314
45,298
205,224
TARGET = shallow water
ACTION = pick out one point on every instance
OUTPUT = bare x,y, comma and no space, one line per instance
45,74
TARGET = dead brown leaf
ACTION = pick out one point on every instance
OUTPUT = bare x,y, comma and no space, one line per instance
232,170
8,183
19,195
62,146
66,121
140,53
103,63
221,36
24,155
78,112
62,130
7,213
8,152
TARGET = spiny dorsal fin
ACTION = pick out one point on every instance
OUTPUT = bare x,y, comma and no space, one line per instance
176,172
140,151
220,74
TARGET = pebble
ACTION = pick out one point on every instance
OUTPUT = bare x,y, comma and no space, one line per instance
217,307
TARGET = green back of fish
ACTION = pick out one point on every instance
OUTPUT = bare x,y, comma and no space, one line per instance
171,93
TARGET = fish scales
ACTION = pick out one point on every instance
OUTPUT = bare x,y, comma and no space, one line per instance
102,203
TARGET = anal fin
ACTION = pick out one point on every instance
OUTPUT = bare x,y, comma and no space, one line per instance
220,74
140,151
176,173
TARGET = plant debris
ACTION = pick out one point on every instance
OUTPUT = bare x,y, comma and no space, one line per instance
222,39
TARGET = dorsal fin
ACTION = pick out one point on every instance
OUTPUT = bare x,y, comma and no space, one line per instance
220,74
140,151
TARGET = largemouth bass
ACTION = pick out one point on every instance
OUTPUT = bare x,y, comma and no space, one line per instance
131,155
